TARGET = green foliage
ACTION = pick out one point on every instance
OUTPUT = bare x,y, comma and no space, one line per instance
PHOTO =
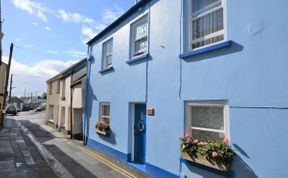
103,125
218,151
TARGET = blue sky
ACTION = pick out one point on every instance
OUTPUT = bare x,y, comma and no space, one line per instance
50,35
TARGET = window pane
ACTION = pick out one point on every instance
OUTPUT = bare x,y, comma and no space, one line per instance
108,61
105,110
208,41
107,56
207,117
141,45
141,31
205,135
109,47
207,24
201,6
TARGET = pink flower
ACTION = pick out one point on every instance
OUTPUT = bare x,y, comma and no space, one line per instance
226,140
215,154
187,136
196,141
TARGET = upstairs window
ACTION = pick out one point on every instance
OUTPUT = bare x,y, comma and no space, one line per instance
207,121
107,54
139,37
63,88
50,88
207,23
58,86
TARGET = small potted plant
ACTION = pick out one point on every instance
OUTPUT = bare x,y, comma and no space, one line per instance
103,126
213,154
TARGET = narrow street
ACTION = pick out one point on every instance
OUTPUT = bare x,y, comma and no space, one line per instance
29,148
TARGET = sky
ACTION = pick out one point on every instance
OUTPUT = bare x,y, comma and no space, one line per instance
49,36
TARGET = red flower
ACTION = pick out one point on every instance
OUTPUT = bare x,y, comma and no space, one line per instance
226,140
187,136
196,141
215,154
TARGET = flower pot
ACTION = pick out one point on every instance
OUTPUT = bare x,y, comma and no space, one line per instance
105,132
222,166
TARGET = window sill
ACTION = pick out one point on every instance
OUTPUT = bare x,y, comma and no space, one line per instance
137,58
220,45
108,69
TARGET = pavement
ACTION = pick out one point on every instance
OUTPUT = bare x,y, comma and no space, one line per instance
30,149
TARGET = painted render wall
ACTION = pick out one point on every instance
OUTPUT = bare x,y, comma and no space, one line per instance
53,99
251,74
65,104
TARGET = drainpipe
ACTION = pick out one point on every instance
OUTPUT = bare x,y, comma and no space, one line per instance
71,105
86,119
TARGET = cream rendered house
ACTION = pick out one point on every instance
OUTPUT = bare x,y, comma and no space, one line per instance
64,103
65,91
53,95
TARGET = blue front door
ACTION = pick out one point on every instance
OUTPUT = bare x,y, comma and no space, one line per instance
139,133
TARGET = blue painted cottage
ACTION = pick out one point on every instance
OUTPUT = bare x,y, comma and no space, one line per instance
209,68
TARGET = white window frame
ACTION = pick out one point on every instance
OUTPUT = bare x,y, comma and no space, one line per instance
105,55
101,110
190,26
188,117
133,27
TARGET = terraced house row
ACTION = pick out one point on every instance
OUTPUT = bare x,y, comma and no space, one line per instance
213,72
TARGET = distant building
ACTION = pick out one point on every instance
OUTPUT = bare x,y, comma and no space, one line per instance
17,103
65,99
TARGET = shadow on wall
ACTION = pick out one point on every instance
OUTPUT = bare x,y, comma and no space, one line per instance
239,168
242,169
90,97
110,139
233,48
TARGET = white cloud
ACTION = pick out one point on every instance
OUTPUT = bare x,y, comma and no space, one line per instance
44,68
111,15
76,54
32,7
34,23
17,40
32,77
27,46
74,17
89,26
86,31
48,29
53,52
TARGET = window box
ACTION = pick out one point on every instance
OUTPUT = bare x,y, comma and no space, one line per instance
103,127
224,166
105,132
207,131
214,154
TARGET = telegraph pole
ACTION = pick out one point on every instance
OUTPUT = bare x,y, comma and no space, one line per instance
10,90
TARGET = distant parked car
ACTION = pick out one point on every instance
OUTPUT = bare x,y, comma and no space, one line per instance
11,110
41,108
